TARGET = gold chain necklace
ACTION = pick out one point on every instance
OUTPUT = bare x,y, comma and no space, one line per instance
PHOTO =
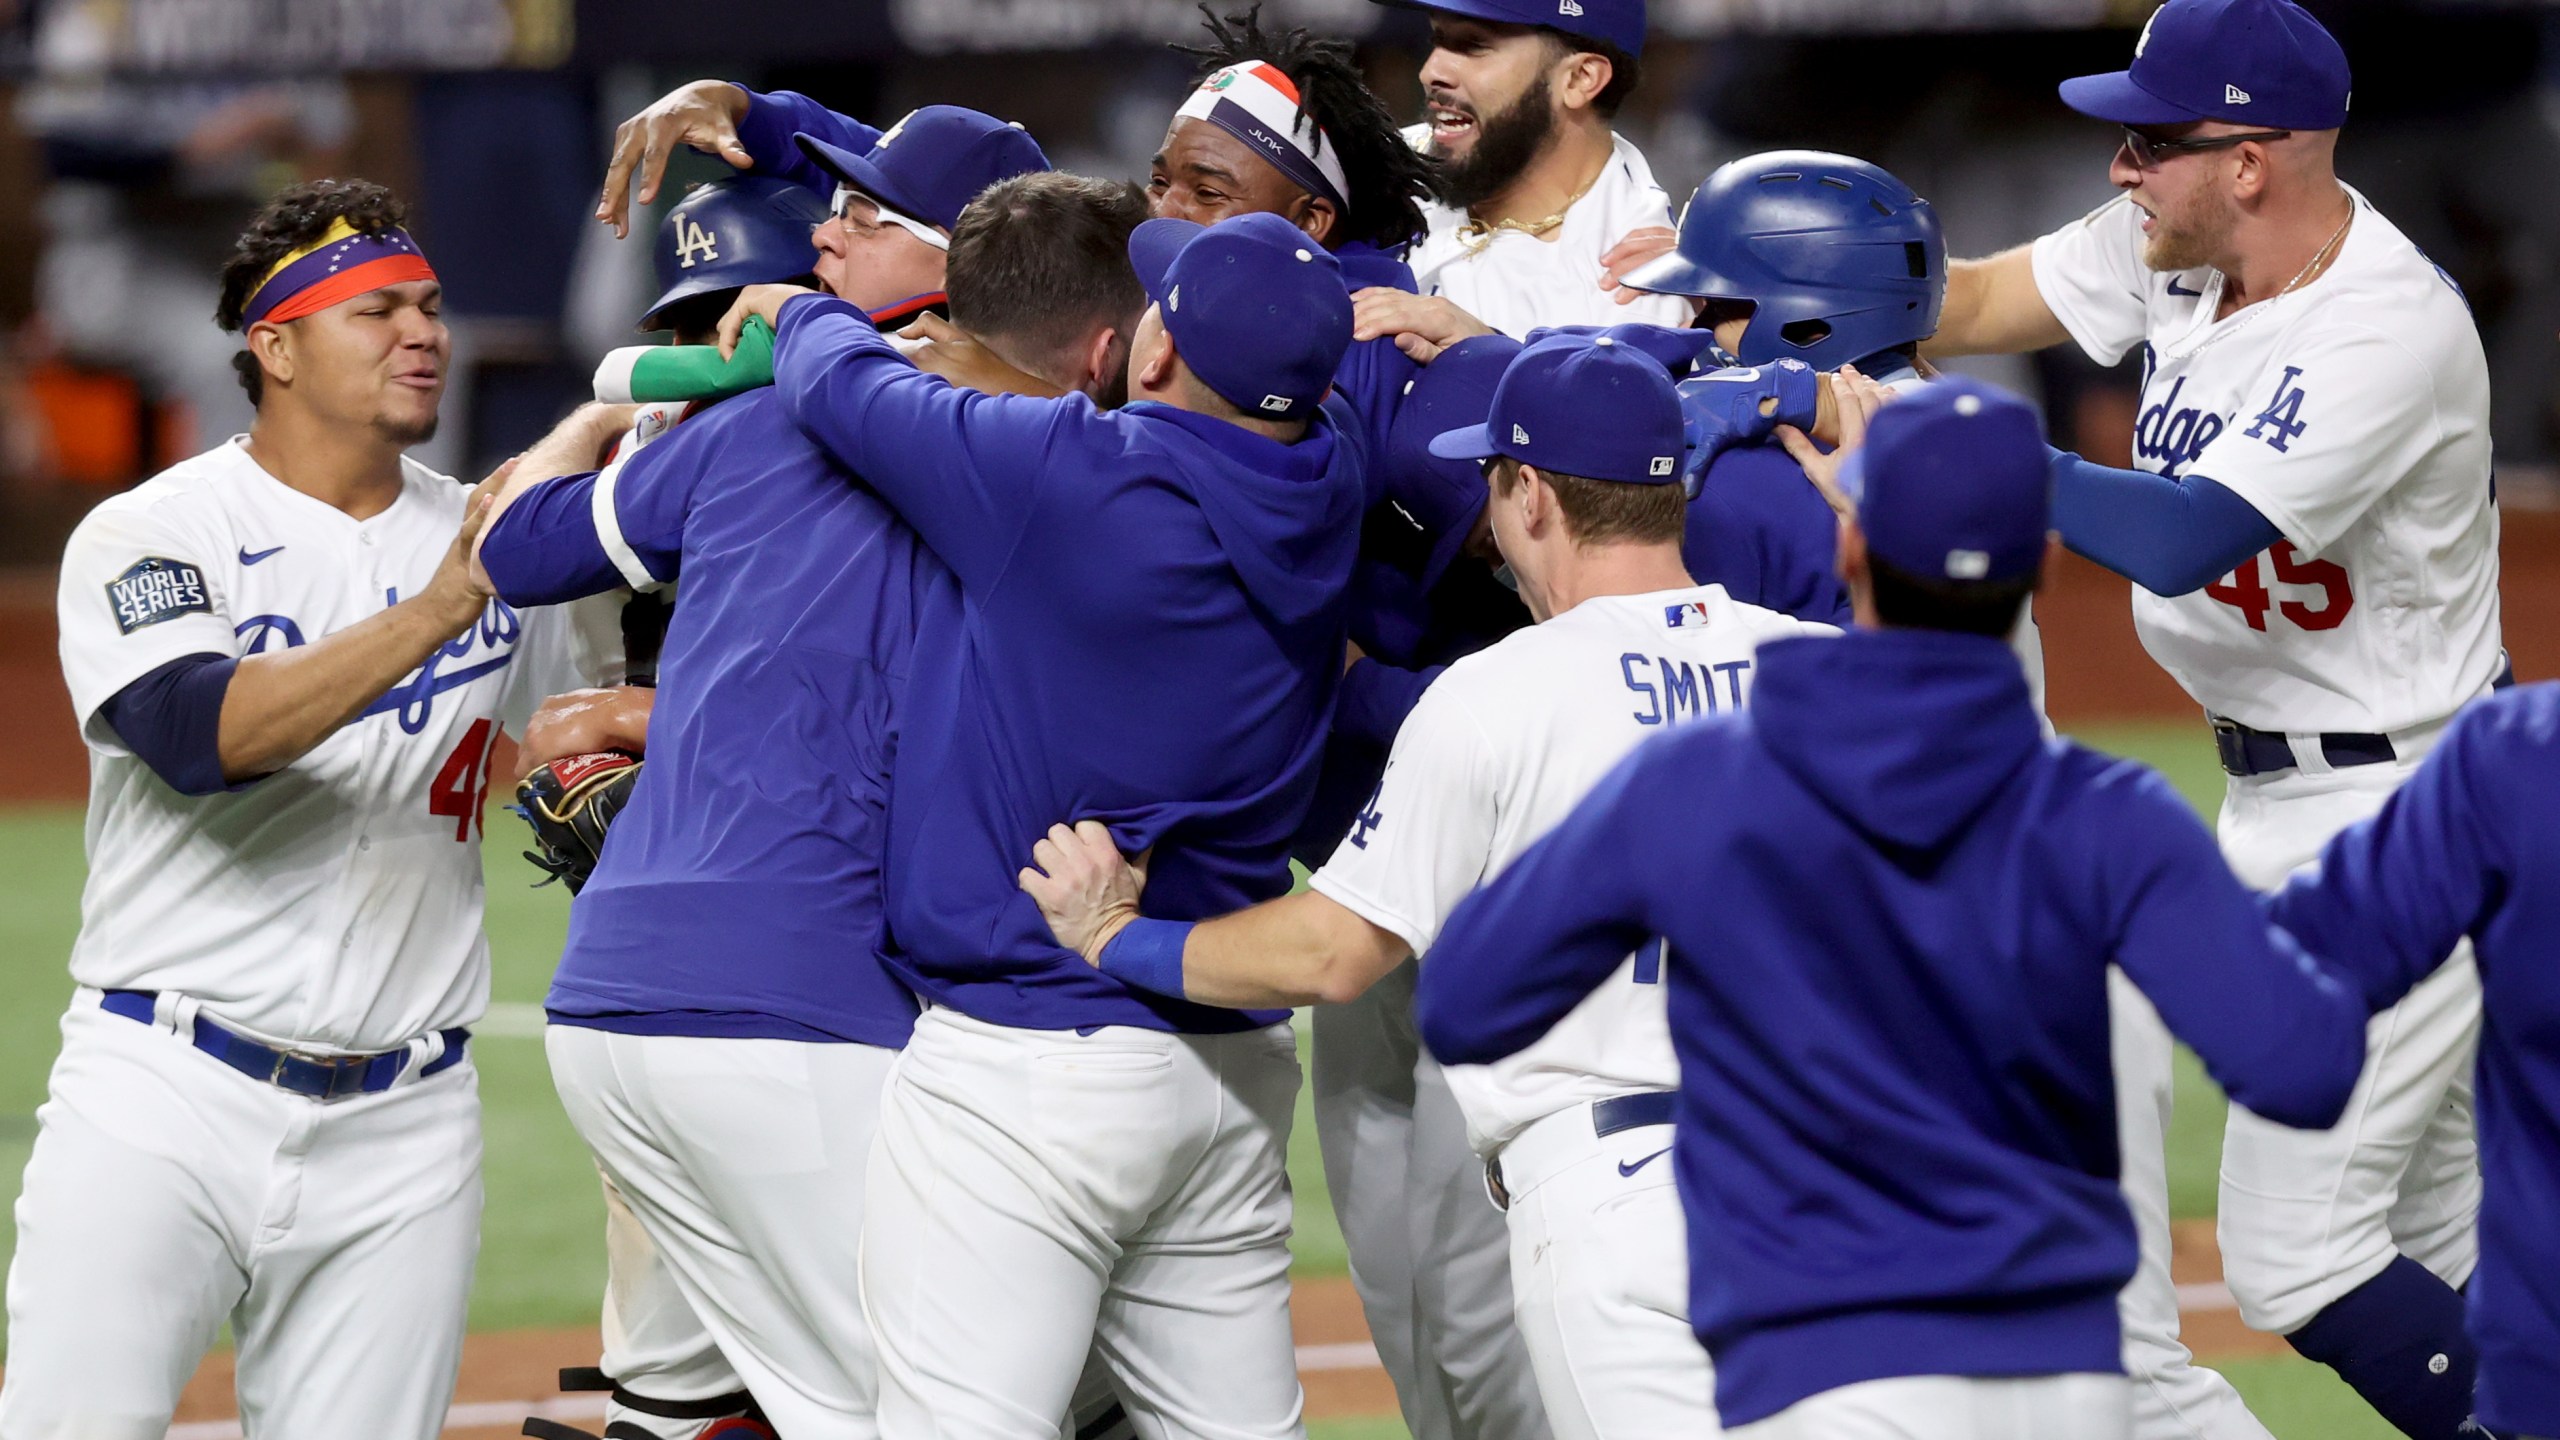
2221,330
1477,234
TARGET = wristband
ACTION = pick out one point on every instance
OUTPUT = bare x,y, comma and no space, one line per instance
1147,955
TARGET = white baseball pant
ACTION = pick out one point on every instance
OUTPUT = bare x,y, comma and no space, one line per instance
744,1161
168,1193
2309,1215
1431,1260
1600,1259
655,1346
1037,1194
1956,1407
2173,1397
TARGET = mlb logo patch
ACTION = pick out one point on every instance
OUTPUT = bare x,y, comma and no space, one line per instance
154,589
1661,465
1277,404
1691,616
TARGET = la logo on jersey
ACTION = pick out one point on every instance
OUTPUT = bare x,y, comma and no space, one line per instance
693,243
1691,615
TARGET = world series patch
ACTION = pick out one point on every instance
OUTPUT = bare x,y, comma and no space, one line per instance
154,589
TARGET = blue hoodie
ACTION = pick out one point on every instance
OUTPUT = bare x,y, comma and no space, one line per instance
1150,633
2471,846
1760,529
1890,908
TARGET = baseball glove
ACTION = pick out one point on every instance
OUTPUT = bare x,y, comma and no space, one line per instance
570,803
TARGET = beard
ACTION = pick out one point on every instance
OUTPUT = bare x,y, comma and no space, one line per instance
2190,243
1505,144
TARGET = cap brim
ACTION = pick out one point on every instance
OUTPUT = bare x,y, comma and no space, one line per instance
1677,274
1475,442
1152,247
858,172
2114,97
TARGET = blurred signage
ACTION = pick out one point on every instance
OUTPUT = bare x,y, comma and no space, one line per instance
299,36
940,26
1691,18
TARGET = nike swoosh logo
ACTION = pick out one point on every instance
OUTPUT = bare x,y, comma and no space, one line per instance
2177,289
252,557
1626,1169
1737,377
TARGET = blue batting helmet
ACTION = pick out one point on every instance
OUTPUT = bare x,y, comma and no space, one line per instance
734,231
1838,259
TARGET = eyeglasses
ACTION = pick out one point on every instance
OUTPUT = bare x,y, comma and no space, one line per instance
2148,151
866,216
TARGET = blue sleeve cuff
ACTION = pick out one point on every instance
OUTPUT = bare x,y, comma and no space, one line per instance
171,718
2168,535
1147,955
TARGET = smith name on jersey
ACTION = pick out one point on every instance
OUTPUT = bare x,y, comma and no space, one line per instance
335,904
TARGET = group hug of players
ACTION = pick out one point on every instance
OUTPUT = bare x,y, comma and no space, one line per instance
1734,1011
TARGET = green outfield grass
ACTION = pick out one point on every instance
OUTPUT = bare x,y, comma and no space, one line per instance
541,1260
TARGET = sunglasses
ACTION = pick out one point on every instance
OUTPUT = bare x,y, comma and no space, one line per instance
2148,151
866,216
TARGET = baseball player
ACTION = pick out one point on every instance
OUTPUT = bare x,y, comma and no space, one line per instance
2466,849
664,1374
1887,906
721,1021
2314,433
289,682
1540,203
1584,440
1149,629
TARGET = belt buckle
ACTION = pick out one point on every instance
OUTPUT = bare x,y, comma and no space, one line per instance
321,1086
2229,746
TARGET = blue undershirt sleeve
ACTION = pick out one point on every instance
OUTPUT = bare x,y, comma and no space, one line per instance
171,718
2169,536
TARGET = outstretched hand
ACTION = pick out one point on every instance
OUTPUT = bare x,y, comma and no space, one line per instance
1423,325
1642,244
1085,889
755,302
704,115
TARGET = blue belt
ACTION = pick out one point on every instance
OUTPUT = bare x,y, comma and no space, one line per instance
1626,1112
2244,751
322,1077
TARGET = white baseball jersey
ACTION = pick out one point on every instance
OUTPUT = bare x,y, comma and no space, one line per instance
1502,747
334,905
2354,414
1516,282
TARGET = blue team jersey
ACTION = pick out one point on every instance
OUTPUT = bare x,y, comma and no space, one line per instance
1150,634
1889,907
743,891
1760,529
2471,846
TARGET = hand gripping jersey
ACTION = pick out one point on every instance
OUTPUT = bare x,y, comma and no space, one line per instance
336,903
1516,282
1503,746
2354,414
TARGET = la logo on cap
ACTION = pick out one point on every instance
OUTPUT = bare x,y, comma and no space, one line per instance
1519,436
693,243
2143,41
892,132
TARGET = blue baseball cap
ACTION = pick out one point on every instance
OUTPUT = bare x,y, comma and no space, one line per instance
2244,62
1953,483
1619,22
733,231
1255,308
931,164
1581,405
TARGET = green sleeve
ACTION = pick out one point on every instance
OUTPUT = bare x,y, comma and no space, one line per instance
649,374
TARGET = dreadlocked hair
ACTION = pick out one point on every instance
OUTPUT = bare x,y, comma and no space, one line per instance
1388,178
297,216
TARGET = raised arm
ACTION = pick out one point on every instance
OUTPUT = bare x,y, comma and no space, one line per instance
960,467
2280,1031
751,131
1994,308
1518,955
2392,894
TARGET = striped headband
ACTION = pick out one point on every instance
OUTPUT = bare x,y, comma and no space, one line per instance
1256,103
340,265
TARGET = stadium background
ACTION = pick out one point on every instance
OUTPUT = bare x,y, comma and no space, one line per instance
136,134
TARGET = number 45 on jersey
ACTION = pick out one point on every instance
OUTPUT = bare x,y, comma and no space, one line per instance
2246,590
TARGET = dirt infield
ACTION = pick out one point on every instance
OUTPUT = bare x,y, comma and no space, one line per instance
511,1374
2095,667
